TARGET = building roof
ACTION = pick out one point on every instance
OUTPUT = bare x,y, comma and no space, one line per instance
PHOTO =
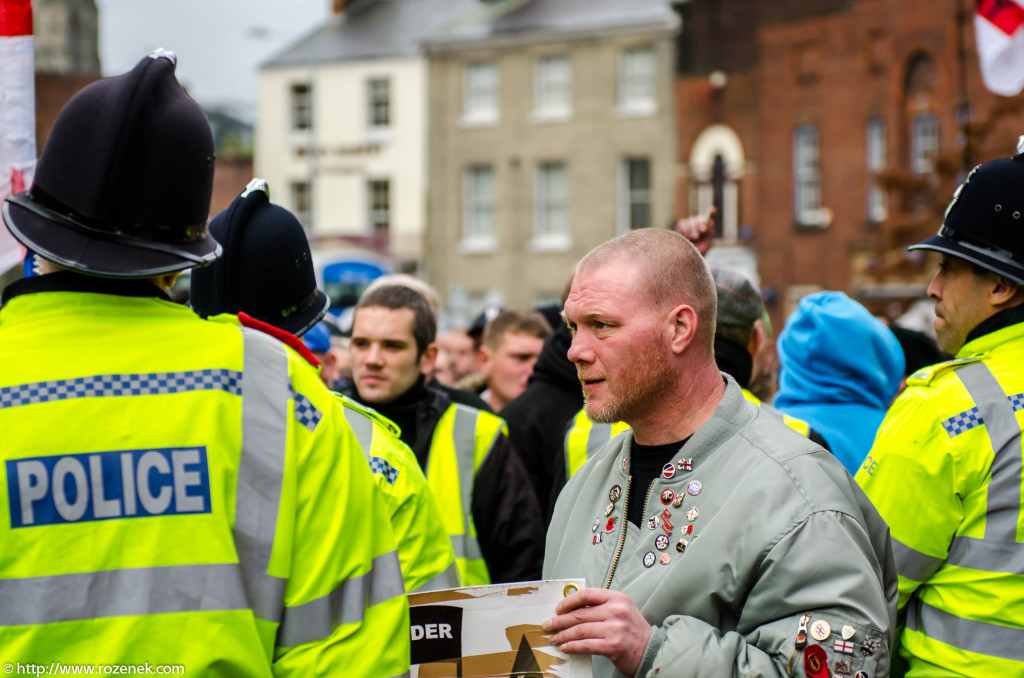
508,17
396,28
371,29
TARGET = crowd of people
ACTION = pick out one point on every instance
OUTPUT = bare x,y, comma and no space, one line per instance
233,485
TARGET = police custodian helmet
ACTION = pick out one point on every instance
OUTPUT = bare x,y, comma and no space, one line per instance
124,183
267,268
984,222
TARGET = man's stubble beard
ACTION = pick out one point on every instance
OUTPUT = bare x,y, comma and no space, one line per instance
646,385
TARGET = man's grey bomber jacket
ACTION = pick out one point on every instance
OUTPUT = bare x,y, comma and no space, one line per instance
786,568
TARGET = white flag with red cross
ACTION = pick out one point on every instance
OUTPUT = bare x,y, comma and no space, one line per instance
17,113
999,30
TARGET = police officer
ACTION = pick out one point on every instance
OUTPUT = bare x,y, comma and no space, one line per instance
175,491
266,277
945,469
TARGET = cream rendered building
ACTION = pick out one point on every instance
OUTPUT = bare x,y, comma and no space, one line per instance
552,129
341,135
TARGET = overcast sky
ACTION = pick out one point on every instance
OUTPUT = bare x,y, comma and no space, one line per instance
219,43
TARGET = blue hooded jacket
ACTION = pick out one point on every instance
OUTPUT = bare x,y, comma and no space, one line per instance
840,369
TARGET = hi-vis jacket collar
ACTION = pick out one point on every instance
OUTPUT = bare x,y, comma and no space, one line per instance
68,281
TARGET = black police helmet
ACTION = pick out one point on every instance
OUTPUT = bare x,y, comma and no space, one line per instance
984,222
267,269
124,184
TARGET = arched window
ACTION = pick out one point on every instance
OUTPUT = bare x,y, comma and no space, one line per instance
716,166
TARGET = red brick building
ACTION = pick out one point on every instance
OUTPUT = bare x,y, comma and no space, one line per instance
789,111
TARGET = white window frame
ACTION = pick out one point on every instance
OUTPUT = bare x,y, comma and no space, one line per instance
302,192
301,106
551,209
630,195
478,237
480,89
807,206
552,88
638,92
924,142
718,140
378,218
877,151
378,93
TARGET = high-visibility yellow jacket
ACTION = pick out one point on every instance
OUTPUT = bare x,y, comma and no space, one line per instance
428,562
462,438
176,491
586,437
945,473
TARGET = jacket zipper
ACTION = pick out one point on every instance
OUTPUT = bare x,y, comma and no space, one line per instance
625,519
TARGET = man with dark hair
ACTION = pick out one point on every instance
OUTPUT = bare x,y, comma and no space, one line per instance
487,504
722,538
945,468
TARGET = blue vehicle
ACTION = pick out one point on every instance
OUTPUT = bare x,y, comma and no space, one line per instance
343,275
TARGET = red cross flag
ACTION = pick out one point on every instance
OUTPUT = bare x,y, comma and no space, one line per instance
17,114
999,30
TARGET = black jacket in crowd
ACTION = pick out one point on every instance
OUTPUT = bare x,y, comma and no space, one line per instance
505,510
540,417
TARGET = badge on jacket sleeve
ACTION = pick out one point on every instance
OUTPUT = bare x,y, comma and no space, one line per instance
650,559
668,470
667,496
820,630
615,493
694,487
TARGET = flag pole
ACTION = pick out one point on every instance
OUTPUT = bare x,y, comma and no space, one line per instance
964,104
17,115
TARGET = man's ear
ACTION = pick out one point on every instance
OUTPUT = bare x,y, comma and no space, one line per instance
757,338
428,359
1005,292
684,327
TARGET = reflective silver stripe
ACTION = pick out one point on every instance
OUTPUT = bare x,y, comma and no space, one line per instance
362,427
265,389
449,579
466,547
31,601
346,604
986,555
993,640
1004,490
464,438
599,435
914,564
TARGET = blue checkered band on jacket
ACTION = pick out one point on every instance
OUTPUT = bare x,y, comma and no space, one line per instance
968,419
113,385
306,412
378,465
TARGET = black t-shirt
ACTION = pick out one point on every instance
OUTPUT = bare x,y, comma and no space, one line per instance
646,465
